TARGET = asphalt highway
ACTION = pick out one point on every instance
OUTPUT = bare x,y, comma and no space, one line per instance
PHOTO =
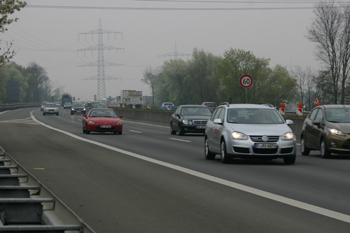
147,180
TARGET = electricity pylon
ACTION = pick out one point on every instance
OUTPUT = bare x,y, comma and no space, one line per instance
174,54
101,77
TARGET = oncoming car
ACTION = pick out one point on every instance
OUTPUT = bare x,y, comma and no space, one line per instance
249,131
327,129
102,120
50,108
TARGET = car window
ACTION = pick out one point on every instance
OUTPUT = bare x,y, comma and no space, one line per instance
222,115
210,104
254,116
338,115
51,105
195,111
103,113
319,116
178,110
313,114
216,114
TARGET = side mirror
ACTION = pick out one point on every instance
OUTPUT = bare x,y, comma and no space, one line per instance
85,116
121,116
289,122
218,121
316,123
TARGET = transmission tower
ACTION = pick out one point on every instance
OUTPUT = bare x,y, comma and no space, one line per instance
101,77
174,54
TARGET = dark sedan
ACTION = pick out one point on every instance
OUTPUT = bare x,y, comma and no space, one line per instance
189,119
78,107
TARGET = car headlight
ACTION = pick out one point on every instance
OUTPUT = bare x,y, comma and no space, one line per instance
117,123
185,122
92,122
72,109
239,136
288,136
337,132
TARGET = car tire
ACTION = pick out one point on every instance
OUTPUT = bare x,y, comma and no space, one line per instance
84,131
324,150
207,153
87,131
181,131
288,160
304,150
120,132
43,113
171,130
57,114
71,113
225,158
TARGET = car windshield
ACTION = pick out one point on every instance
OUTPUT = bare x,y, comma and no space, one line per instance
78,105
195,111
51,105
254,116
338,115
99,106
103,113
168,104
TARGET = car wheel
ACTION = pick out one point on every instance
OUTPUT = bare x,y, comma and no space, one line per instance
304,150
208,154
57,114
181,131
84,131
289,159
324,150
120,132
171,130
43,113
71,113
87,131
225,158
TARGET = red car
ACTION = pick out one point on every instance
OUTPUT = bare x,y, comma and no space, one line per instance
102,120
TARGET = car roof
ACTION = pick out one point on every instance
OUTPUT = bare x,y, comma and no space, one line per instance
193,105
334,106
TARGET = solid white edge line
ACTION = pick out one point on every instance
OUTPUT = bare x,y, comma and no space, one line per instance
271,196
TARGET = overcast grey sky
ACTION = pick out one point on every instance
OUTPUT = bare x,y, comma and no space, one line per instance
48,33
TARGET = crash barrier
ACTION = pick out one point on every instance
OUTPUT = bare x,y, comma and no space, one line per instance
5,107
163,118
28,206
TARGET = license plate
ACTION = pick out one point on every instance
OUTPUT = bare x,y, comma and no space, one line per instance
106,126
200,127
265,145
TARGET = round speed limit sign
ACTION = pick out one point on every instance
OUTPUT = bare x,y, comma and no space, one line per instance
246,81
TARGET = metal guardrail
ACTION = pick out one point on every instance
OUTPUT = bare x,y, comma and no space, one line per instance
26,205
5,107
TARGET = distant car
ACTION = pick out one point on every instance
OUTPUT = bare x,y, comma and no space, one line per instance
67,105
327,129
78,107
50,108
211,105
102,120
250,131
189,119
167,106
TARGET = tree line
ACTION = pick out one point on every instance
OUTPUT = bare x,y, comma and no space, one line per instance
34,84
206,77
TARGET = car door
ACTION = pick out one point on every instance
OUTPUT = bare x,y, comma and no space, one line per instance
218,128
315,132
175,119
308,128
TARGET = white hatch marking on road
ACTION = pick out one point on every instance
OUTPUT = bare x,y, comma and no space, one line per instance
4,112
268,195
181,140
134,131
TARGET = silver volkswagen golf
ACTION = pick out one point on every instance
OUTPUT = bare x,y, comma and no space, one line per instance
250,131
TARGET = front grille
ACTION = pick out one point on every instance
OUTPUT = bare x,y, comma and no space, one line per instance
265,151
286,150
346,144
259,138
197,122
241,150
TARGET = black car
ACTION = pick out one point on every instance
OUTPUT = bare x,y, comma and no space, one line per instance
211,105
189,119
78,107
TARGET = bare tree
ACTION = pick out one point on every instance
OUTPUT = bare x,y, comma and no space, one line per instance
330,32
305,84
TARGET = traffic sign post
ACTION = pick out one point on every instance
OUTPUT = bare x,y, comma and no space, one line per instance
316,101
246,81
